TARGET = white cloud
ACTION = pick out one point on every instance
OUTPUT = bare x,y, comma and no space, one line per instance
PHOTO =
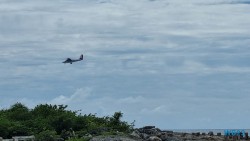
166,57
80,95
198,67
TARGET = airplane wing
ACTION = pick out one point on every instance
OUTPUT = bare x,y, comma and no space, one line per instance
68,59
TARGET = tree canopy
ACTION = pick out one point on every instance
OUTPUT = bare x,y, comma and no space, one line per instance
48,121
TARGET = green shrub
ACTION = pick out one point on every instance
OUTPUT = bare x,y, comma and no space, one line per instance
46,136
80,139
48,121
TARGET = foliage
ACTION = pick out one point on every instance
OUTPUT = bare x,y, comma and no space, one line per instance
46,135
48,121
4,124
79,139
19,112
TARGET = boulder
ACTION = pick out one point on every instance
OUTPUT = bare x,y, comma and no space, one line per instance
197,134
148,127
168,131
135,134
218,134
113,138
172,139
144,136
183,134
154,138
188,137
210,133
170,134
152,131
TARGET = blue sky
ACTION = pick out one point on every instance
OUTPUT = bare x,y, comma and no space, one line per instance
175,64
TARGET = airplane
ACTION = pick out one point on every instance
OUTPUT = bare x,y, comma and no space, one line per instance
68,60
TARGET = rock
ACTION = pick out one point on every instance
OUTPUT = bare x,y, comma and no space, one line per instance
172,138
154,138
188,137
86,137
148,127
217,138
150,133
218,134
169,131
210,133
164,137
158,130
197,134
170,134
144,136
246,135
114,138
183,134
135,134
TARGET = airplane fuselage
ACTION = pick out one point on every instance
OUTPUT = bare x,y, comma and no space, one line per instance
68,60
71,61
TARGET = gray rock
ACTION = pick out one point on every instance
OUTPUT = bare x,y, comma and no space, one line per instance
114,138
172,138
197,134
218,134
188,137
154,138
148,127
135,134
168,131
210,133
144,136
150,133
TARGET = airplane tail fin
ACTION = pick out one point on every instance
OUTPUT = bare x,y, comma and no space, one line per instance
81,57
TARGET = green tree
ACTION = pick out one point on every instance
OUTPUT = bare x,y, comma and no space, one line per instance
46,121
19,112
62,122
4,124
18,129
117,124
117,118
47,135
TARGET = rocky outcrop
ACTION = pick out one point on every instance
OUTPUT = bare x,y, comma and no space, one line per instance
115,138
151,133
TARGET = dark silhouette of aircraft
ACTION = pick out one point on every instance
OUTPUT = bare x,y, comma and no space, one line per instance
68,60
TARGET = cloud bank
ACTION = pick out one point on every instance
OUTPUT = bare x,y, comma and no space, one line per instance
169,63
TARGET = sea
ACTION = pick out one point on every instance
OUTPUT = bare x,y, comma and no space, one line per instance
215,131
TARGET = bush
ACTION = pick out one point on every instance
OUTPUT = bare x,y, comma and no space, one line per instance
80,139
48,121
46,136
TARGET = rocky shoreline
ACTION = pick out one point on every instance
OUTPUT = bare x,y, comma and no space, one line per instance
151,133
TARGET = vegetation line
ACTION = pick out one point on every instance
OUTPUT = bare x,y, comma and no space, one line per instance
48,122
